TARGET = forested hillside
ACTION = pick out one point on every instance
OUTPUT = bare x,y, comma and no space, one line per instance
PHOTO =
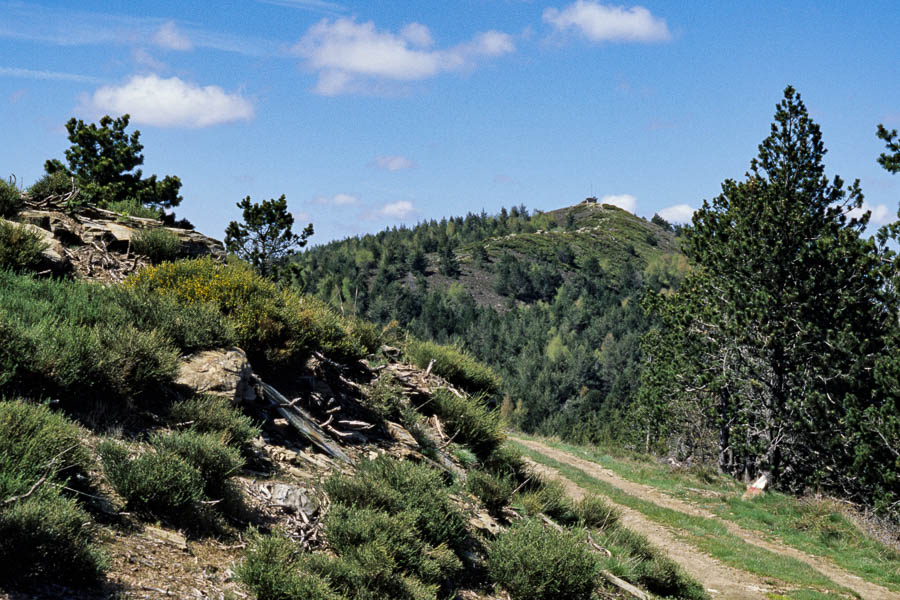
551,300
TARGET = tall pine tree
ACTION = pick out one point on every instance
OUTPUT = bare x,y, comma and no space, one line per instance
774,336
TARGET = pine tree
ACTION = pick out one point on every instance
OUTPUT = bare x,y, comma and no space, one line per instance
264,238
778,328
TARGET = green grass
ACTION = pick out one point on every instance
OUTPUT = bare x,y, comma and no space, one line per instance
816,527
706,534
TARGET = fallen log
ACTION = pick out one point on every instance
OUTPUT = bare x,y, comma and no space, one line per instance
300,420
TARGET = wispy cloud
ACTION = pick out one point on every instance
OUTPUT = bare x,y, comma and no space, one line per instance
170,102
679,213
312,5
168,36
337,200
393,163
625,201
608,23
352,57
83,28
47,75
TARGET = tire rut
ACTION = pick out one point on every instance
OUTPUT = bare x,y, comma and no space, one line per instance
865,589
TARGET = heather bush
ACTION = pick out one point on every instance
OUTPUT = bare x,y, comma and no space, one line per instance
214,414
493,491
207,452
10,199
157,244
468,420
454,365
20,248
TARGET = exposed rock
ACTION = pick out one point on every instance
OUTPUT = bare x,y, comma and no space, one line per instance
756,488
170,537
225,373
294,499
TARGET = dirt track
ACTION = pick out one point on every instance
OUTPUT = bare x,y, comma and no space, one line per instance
721,581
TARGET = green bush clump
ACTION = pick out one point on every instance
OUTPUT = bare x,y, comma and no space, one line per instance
51,184
273,569
157,244
207,452
596,513
11,201
454,365
274,326
549,497
20,248
158,483
396,486
74,341
534,562
469,420
43,536
493,491
385,397
214,414
133,208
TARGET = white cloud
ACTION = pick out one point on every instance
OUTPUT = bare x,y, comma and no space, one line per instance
397,210
171,102
337,200
355,57
169,37
606,23
47,75
680,213
625,201
881,214
148,61
393,163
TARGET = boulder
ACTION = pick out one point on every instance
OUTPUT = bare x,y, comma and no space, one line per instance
225,373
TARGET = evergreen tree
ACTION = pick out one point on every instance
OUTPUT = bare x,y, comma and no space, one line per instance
776,333
264,238
104,160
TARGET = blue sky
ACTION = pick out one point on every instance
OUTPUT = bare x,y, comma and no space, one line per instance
374,113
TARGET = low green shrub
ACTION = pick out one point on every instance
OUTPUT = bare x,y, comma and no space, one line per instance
158,483
133,208
469,420
47,538
214,414
396,486
32,437
385,397
273,570
493,491
533,562
73,341
596,513
506,460
550,498
207,452
274,326
51,184
157,244
43,536
454,365
11,200
20,248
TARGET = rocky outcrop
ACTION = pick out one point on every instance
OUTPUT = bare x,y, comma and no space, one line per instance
96,243
225,373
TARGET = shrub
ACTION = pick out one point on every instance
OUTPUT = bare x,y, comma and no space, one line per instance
532,562
46,538
396,486
191,327
214,414
454,365
384,398
31,436
594,512
274,326
42,536
157,244
507,460
51,184
159,483
207,452
20,248
73,341
272,570
10,199
550,498
469,420
494,492
133,208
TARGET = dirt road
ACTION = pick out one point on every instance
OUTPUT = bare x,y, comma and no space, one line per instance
722,581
